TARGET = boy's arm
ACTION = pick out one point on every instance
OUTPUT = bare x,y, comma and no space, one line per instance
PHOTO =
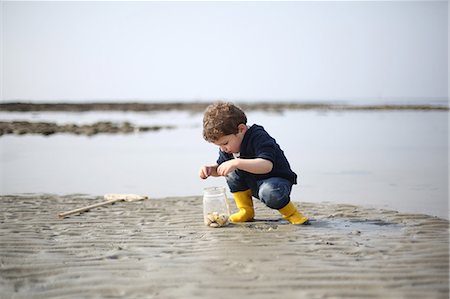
255,166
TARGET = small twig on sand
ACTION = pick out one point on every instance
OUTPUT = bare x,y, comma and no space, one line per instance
110,199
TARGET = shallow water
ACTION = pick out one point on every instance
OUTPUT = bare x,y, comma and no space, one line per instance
389,159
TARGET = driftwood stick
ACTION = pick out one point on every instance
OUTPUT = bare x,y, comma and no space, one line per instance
83,209
110,199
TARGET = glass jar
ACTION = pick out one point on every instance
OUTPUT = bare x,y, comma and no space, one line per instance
215,207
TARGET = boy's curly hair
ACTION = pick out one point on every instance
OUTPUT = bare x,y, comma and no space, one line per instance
220,119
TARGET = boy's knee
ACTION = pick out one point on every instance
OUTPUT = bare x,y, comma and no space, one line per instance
236,182
232,177
274,196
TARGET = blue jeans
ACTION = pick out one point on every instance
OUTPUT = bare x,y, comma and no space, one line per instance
274,192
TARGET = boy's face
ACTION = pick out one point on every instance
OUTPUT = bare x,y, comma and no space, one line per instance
232,143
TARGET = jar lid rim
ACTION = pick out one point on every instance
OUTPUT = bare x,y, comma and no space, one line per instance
214,189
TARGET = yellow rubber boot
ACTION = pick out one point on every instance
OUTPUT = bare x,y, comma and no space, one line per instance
291,214
244,202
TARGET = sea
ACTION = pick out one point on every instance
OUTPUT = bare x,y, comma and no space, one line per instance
386,159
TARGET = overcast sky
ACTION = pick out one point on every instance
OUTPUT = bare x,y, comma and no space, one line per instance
71,51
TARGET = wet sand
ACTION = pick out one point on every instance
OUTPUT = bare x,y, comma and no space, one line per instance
161,249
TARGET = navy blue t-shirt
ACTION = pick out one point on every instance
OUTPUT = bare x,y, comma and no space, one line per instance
257,143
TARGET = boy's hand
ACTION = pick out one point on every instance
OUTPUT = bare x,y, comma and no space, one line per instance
207,171
226,167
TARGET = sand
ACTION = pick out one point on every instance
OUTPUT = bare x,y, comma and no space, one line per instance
161,249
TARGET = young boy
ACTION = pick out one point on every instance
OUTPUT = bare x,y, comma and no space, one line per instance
252,162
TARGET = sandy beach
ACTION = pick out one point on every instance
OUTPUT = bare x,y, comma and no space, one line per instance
160,248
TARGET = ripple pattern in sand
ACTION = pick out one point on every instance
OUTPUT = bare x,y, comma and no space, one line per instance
161,249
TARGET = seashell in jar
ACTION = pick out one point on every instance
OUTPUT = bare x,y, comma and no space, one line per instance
222,219
208,221
211,217
215,219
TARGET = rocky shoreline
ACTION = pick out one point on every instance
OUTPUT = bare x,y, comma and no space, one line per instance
50,128
200,106
107,127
